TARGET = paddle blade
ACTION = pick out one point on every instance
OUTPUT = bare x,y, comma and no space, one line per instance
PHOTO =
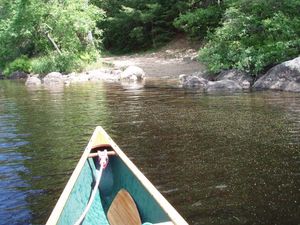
123,210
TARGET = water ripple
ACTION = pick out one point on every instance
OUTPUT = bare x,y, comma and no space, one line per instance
226,158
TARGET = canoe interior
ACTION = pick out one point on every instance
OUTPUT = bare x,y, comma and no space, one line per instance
79,197
149,209
115,177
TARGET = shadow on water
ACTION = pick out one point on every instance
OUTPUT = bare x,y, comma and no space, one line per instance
223,158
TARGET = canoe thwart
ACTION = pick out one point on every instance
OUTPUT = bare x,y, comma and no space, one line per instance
123,210
110,153
101,147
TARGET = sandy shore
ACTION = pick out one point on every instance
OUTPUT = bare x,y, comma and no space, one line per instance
178,57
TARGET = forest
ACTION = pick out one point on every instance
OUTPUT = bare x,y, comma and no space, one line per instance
40,36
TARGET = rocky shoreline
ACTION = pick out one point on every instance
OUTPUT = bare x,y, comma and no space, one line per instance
131,74
282,77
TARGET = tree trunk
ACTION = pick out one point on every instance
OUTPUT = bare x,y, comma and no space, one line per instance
89,37
54,44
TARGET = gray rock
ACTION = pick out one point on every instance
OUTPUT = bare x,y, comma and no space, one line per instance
74,78
187,59
223,85
53,79
192,81
33,81
206,75
133,73
103,75
17,75
198,80
194,58
116,72
183,78
284,77
245,80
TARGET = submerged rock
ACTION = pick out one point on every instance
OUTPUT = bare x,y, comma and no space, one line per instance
133,73
132,85
33,81
242,78
192,81
53,79
284,77
223,85
197,81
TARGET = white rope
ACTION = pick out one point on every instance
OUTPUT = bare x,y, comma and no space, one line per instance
103,163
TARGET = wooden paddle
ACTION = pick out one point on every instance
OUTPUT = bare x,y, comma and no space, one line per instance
123,210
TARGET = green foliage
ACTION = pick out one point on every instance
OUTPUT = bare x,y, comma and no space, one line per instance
37,27
197,22
64,35
20,64
54,62
65,63
69,23
253,37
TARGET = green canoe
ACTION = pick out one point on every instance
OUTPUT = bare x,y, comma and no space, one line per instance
119,176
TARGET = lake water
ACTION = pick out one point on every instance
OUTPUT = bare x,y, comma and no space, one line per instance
219,158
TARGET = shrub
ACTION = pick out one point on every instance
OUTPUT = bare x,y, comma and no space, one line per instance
252,42
68,62
53,62
20,64
65,63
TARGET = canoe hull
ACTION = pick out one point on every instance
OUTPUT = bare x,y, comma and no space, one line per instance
121,173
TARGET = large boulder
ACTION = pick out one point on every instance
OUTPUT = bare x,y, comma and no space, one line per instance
223,85
192,81
33,81
18,75
53,79
133,73
284,77
245,80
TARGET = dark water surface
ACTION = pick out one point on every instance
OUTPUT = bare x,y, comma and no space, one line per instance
218,158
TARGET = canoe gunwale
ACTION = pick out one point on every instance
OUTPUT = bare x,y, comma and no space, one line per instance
54,217
174,216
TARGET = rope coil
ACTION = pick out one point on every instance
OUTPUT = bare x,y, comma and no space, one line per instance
103,161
